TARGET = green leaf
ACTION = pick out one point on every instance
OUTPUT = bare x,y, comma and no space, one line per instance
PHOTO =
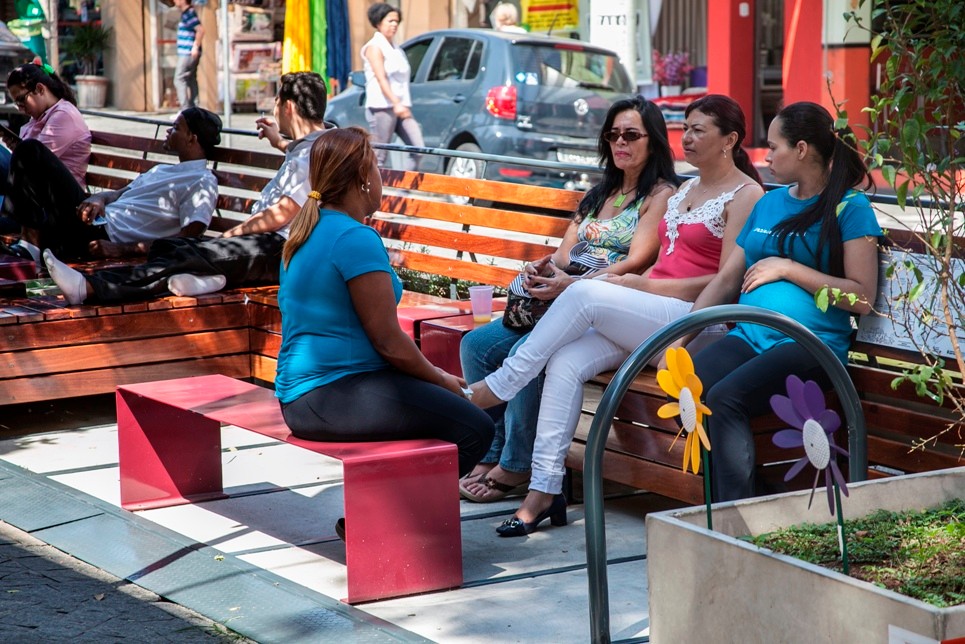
916,291
888,172
901,192
911,131
821,299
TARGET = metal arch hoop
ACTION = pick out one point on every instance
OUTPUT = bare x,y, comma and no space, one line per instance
600,428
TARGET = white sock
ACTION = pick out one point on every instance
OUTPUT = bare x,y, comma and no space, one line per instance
33,250
188,285
71,283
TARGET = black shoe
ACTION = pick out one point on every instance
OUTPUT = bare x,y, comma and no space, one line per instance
340,528
515,527
16,250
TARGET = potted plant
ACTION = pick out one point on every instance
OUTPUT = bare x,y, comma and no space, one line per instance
89,42
670,71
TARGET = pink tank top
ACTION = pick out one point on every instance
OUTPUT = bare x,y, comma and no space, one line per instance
691,240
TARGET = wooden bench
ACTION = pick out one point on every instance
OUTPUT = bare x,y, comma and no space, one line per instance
402,535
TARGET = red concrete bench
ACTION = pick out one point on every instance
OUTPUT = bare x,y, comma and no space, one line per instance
401,497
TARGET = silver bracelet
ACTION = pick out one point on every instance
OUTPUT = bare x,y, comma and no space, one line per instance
467,392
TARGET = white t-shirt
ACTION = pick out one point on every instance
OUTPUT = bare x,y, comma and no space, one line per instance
162,201
397,71
291,180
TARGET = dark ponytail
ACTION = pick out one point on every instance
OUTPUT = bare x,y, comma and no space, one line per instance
728,117
811,123
30,75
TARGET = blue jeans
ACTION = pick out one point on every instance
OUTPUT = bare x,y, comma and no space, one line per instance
482,352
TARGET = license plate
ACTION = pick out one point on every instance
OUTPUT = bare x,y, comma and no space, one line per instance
578,157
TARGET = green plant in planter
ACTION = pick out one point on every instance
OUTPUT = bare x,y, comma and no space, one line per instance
918,554
89,42
916,141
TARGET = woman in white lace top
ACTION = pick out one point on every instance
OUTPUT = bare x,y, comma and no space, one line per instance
595,324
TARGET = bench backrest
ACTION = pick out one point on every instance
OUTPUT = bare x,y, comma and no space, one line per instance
424,229
427,232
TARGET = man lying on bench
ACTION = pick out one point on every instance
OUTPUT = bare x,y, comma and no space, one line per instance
166,201
249,253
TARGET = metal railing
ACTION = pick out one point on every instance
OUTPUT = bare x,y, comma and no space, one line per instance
554,166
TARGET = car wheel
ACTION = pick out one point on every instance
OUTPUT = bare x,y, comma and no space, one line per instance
465,168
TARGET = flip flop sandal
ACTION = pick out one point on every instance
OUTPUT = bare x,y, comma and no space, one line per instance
497,490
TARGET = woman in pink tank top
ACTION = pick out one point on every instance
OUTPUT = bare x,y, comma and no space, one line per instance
595,324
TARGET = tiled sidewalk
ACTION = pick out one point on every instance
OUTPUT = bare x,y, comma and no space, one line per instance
267,563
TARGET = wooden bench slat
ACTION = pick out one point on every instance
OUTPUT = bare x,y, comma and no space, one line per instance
493,218
102,381
107,328
101,355
128,142
520,194
453,268
457,240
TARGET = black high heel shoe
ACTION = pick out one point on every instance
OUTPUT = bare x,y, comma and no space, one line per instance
515,527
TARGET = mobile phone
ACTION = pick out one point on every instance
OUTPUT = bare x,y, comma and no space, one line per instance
7,131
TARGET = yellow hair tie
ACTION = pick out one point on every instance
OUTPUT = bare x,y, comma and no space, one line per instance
315,194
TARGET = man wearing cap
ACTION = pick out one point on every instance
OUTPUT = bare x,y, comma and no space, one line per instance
249,253
166,201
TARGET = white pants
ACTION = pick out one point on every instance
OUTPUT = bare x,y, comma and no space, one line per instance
592,327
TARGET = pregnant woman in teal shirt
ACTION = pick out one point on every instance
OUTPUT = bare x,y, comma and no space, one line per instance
817,232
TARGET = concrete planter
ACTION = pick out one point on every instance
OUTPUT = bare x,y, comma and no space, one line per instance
708,586
91,91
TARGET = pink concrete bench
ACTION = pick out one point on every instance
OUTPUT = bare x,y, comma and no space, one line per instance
403,532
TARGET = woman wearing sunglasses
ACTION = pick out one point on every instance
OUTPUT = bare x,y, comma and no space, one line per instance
52,149
596,323
615,225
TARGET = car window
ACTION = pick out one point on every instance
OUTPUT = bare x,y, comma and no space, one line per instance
555,66
415,53
457,59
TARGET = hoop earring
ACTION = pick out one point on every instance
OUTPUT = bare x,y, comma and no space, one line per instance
365,188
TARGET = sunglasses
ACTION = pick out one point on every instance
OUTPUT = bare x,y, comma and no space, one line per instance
628,135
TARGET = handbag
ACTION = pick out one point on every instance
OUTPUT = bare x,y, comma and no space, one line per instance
524,311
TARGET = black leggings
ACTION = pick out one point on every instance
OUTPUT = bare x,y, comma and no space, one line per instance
738,385
43,195
390,405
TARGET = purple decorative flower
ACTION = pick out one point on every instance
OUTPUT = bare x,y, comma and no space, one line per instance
804,408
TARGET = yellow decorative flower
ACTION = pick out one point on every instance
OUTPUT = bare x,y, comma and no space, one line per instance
680,381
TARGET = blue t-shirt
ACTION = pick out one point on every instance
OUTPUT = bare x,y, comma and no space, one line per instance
759,241
187,31
322,336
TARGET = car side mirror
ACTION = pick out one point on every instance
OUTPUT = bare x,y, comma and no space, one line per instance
358,79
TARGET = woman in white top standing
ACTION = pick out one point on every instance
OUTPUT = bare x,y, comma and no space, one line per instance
388,106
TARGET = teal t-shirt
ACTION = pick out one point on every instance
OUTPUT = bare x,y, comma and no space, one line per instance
759,241
322,336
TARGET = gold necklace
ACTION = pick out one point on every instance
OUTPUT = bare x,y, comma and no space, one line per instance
623,197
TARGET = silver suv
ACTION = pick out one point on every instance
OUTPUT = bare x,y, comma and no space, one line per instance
521,95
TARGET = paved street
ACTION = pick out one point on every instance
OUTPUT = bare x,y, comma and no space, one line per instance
48,596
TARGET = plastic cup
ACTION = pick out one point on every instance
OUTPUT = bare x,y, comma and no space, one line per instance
481,300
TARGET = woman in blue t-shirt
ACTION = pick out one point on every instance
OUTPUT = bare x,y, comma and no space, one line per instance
346,370
796,241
